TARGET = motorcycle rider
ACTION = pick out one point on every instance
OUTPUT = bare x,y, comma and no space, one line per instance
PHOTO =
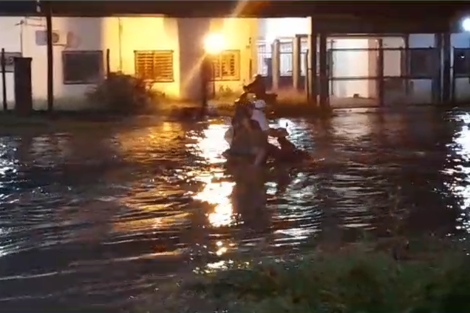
257,87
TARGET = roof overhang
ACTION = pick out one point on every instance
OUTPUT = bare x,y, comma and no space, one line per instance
348,16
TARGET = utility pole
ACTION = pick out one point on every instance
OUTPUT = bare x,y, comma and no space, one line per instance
46,5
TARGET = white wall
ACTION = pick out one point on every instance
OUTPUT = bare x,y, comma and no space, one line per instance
88,34
137,33
240,34
272,28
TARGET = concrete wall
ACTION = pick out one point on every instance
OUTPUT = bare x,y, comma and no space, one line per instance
124,35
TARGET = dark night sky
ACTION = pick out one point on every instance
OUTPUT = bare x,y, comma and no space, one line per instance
392,9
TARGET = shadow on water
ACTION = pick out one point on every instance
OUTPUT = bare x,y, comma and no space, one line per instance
92,220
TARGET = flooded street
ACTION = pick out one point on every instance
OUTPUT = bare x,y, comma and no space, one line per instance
91,219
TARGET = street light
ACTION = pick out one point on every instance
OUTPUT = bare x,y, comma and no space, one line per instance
465,24
214,44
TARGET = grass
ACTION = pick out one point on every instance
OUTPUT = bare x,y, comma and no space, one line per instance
431,277
397,274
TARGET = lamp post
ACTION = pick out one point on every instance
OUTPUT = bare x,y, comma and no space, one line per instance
465,24
214,44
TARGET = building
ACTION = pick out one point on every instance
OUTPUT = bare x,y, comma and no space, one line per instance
168,52
165,50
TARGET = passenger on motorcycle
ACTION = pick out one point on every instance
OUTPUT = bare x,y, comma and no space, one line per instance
257,87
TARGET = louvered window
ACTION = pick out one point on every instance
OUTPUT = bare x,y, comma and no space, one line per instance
226,65
154,66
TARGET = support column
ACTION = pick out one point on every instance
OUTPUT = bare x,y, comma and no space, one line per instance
373,68
436,92
323,73
380,72
50,59
405,70
276,62
296,60
447,81
312,68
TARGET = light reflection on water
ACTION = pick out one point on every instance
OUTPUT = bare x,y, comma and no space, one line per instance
105,215
216,191
460,172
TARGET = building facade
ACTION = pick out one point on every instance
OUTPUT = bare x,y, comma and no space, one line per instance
165,51
168,53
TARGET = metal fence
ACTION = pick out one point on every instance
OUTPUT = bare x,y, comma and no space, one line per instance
376,76
383,76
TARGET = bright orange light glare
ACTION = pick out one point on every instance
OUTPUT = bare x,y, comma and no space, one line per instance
214,43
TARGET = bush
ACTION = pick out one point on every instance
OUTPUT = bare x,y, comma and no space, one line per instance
347,282
431,278
123,93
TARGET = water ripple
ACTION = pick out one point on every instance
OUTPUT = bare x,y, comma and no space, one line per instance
95,219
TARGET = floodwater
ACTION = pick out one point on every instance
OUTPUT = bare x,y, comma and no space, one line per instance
89,220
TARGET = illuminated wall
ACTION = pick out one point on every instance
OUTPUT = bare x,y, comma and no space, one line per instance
240,34
350,64
345,63
272,28
123,36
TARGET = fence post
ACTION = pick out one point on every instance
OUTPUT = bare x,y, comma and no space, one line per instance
297,61
108,66
448,86
313,78
406,55
4,81
276,60
50,59
324,75
307,76
380,72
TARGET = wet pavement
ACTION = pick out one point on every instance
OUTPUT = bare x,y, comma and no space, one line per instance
90,220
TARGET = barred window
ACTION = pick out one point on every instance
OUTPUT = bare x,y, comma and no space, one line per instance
154,65
82,67
226,65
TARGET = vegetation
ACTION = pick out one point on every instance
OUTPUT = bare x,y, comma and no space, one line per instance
121,93
432,277
397,274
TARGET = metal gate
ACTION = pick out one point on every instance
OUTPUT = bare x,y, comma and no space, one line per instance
460,75
382,76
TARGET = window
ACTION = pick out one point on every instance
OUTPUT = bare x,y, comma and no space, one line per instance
286,56
264,57
154,65
227,65
423,62
82,67
462,62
